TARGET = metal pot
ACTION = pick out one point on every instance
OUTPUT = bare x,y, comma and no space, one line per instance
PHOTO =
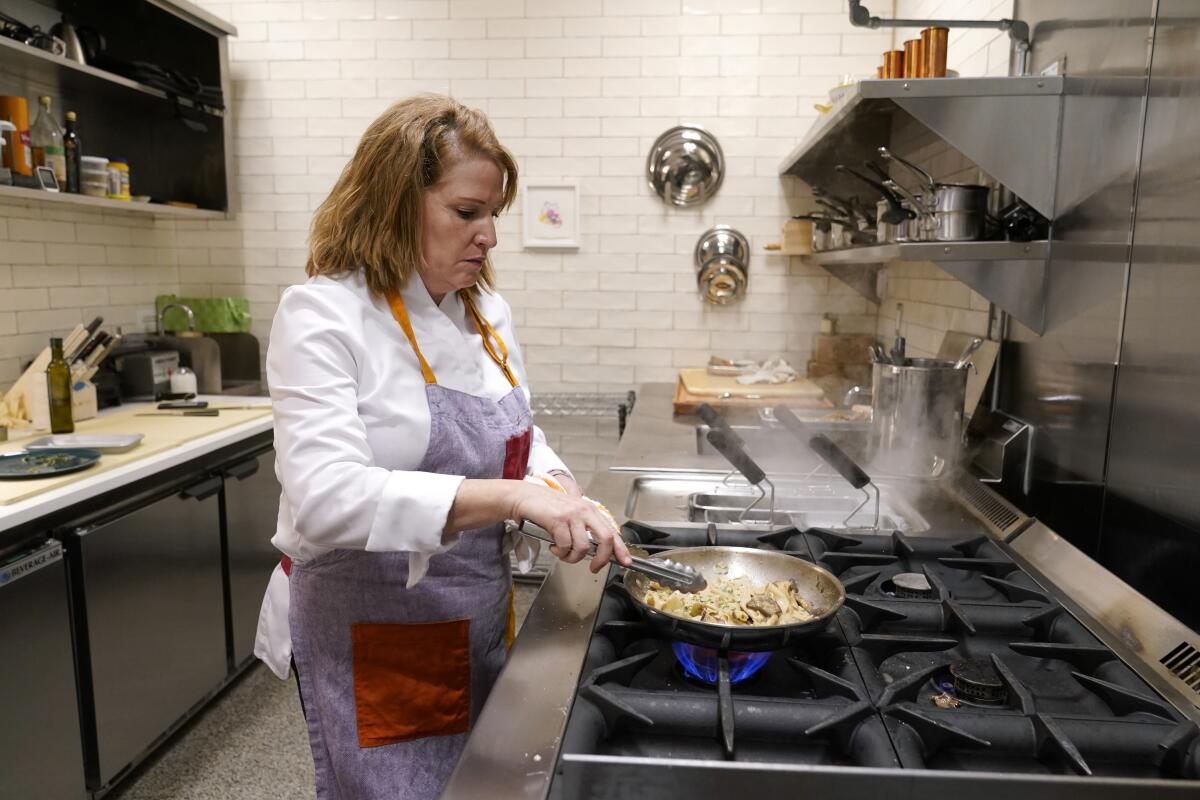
917,417
956,210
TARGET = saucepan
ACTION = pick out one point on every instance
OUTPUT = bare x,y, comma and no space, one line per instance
820,592
959,210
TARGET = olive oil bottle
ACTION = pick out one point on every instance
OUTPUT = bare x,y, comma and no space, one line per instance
58,389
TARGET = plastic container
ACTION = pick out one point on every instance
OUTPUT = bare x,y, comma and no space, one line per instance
118,179
94,176
183,381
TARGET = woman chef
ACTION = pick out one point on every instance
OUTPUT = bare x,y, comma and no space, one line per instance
402,435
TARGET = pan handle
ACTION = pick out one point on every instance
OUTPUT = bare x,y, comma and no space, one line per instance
836,457
888,155
716,422
736,456
824,447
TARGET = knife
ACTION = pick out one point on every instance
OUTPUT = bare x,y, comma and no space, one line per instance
70,353
91,345
204,412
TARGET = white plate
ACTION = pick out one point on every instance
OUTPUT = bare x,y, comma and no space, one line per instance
105,443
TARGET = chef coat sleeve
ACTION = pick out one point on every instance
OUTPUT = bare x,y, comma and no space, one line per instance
338,497
542,458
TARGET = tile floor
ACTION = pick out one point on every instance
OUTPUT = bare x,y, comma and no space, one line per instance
249,744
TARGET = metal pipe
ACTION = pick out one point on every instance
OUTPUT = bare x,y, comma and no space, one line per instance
1018,31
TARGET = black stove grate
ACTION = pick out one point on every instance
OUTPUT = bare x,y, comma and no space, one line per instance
877,687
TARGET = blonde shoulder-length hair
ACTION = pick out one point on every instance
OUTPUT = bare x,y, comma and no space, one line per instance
371,220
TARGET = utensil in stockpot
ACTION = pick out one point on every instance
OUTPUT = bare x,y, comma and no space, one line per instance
899,345
968,351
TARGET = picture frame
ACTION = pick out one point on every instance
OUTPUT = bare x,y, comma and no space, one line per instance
550,215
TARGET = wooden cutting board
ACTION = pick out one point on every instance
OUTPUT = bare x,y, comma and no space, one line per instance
161,434
699,382
686,402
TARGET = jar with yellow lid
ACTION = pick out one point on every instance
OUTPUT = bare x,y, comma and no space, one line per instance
118,179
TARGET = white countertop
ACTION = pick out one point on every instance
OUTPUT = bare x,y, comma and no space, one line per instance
64,496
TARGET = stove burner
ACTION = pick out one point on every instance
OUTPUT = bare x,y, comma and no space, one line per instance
976,681
700,663
912,585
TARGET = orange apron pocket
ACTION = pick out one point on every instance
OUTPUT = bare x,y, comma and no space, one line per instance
411,680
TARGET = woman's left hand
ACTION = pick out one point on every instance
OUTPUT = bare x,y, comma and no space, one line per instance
567,483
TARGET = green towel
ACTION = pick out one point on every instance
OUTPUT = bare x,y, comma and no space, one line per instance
213,314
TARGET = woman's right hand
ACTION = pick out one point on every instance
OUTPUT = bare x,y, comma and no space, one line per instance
569,520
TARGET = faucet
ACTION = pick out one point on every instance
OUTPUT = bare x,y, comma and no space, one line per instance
158,326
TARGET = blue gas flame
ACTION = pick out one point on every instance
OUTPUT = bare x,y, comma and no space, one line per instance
701,662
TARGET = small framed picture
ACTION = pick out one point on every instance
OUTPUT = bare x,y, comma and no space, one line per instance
551,215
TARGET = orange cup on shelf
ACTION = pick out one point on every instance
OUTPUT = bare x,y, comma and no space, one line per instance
893,64
936,41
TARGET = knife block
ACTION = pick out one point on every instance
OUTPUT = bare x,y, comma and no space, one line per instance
83,402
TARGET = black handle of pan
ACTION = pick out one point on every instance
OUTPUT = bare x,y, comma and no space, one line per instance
736,456
824,447
835,457
716,422
892,198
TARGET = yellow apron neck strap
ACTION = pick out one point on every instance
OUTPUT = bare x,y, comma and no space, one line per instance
401,314
498,352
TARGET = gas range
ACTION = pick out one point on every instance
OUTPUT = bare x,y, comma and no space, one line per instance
948,666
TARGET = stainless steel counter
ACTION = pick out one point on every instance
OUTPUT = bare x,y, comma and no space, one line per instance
512,750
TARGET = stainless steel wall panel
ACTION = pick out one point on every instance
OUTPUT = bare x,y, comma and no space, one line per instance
1062,381
1151,529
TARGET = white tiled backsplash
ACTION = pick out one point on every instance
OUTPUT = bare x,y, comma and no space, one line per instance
578,89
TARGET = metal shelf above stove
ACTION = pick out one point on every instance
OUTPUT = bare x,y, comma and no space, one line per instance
1010,274
977,116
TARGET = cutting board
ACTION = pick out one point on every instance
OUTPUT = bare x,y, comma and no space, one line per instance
953,345
700,383
161,434
686,402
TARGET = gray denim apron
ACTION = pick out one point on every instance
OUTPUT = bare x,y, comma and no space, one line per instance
392,677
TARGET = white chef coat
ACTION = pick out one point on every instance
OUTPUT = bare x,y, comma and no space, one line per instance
352,425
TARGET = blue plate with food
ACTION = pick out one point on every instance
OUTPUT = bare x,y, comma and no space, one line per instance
46,463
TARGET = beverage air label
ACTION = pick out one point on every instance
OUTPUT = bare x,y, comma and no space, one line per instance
26,565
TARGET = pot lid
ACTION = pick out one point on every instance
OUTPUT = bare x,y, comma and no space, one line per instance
685,166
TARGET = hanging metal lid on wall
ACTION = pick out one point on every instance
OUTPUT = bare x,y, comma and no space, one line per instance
685,166
722,260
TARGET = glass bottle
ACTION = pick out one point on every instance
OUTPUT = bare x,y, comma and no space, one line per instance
58,389
73,153
48,142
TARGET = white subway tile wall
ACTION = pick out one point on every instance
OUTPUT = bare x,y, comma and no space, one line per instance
578,89
934,301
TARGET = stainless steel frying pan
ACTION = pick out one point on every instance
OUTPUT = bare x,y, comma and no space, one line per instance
822,592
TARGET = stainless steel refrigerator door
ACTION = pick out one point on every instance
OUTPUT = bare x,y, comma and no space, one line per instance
251,510
156,621
40,751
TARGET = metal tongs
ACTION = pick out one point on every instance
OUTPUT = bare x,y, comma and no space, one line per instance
670,574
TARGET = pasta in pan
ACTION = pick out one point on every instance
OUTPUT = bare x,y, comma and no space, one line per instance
733,601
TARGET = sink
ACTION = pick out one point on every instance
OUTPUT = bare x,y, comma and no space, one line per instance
706,497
